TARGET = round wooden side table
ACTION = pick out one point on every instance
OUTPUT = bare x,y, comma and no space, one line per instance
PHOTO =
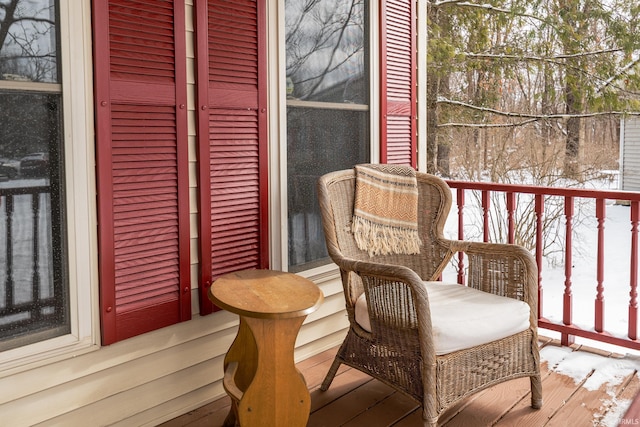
260,375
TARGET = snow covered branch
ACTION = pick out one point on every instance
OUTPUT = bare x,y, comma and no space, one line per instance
486,125
530,117
487,7
621,72
538,58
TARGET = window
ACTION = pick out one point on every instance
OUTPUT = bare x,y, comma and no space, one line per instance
34,302
328,114
47,191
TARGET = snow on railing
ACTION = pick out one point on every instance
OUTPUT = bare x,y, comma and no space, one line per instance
539,197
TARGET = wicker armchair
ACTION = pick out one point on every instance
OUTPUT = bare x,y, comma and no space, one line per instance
398,346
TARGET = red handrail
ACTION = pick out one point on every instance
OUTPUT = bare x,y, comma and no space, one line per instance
567,329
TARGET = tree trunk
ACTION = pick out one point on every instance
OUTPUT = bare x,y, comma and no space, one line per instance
572,142
443,138
443,160
8,20
432,122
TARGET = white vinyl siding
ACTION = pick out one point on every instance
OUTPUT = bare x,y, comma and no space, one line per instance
630,156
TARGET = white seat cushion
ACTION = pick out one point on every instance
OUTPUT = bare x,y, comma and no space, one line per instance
463,317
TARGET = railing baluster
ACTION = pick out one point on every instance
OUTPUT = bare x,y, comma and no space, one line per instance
36,312
460,201
9,279
567,314
486,202
16,203
539,246
633,279
511,204
599,303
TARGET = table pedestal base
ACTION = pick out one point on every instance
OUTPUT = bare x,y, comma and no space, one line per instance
266,388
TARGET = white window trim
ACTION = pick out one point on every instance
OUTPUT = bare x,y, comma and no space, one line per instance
278,228
276,96
77,96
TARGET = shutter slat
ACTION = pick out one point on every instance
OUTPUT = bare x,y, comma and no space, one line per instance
141,38
128,254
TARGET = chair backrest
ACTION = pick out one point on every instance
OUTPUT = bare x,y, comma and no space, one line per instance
336,191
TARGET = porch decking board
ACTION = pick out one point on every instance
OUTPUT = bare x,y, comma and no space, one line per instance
585,405
356,400
582,409
557,389
489,406
345,382
353,405
395,407
632,394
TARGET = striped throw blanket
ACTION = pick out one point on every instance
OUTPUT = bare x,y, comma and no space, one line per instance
385,215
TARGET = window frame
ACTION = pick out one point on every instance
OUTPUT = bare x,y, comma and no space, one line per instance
79,188
278,171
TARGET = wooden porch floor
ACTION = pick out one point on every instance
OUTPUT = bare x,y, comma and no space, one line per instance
355,399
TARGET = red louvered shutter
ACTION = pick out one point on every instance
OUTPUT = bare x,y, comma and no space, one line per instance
398,80
232,138
142,165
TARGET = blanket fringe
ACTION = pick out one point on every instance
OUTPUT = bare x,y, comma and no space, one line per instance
377,239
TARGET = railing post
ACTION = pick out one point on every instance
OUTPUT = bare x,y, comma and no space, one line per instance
511,205
599,303
539,246
567,316
633,274
460,201
486,204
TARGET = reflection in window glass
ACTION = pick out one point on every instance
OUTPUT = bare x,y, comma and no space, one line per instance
34,303
29,132
325,42
327,111
28,41
321,141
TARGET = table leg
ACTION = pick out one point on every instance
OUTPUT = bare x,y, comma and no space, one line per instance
278,395
244,354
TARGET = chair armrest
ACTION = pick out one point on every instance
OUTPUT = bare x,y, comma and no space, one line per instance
502,269
390,273
397,301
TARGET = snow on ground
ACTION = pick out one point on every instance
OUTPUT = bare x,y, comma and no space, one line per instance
616,277
607,372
